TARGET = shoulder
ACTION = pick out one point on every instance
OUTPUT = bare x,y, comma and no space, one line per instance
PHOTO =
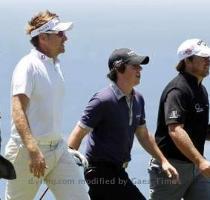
178,85
178,82
27,62
138,96
104,94
101,99
204,90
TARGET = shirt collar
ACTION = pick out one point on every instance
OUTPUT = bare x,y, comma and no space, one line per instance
43,57
118,92
191,79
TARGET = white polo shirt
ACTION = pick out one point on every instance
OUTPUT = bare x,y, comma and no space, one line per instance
41,80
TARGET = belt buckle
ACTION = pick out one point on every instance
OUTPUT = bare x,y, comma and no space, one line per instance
51,143
48,143
125,165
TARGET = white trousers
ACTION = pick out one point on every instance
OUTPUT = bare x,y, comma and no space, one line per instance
63,176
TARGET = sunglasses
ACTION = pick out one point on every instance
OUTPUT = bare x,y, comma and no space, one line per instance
58,33
136,67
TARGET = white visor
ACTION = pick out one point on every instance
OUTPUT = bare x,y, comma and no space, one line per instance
52,25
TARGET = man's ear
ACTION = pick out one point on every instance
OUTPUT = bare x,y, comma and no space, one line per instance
43,39
120,68
187,61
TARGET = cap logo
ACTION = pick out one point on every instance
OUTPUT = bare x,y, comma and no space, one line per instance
117,63
201,42
188,51
131,53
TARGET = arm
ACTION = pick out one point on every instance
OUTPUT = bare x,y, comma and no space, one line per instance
185,145
148,143
91,116
76,137
74,141
37,163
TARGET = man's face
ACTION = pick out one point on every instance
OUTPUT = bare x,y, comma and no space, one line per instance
132,74
199,66
56,43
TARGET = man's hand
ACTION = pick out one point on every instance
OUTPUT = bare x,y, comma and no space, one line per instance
37,162
204,167
170,170
79,158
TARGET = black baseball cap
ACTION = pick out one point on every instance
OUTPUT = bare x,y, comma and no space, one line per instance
128,56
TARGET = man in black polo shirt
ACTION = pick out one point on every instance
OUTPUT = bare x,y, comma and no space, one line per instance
112,116
182,128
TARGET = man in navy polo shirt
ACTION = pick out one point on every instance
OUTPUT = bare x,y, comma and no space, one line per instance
182,128
113,116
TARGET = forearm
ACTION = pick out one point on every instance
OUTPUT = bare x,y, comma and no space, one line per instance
149,144
22,125
37,164
76,137
185,145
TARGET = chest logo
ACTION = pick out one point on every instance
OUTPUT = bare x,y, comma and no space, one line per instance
198,108
138,117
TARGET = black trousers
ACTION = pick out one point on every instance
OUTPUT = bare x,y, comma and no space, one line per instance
110,182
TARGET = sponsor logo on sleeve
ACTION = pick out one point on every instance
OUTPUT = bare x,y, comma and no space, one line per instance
174,114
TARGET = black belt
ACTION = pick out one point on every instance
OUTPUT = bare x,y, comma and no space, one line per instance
107,164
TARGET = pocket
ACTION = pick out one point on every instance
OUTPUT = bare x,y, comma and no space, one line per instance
155,167
90,174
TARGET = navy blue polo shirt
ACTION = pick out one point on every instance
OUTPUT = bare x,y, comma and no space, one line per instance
113,122
185,102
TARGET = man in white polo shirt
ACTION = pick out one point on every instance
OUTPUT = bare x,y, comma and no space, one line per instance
36,147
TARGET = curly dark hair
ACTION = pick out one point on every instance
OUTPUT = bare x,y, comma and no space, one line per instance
181,65
112,75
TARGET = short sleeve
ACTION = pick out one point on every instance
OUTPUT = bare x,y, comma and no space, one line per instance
93,112
175,107
22,79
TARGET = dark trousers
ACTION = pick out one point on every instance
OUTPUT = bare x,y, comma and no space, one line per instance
110,182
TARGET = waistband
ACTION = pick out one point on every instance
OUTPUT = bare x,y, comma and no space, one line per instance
108,164
172,161
44,141
48,142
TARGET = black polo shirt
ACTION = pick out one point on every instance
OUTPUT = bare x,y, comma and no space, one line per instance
185,102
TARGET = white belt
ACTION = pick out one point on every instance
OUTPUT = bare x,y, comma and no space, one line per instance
43,141
48,142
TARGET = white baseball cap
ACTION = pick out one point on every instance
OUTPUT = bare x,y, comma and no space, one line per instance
193,47
52,25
